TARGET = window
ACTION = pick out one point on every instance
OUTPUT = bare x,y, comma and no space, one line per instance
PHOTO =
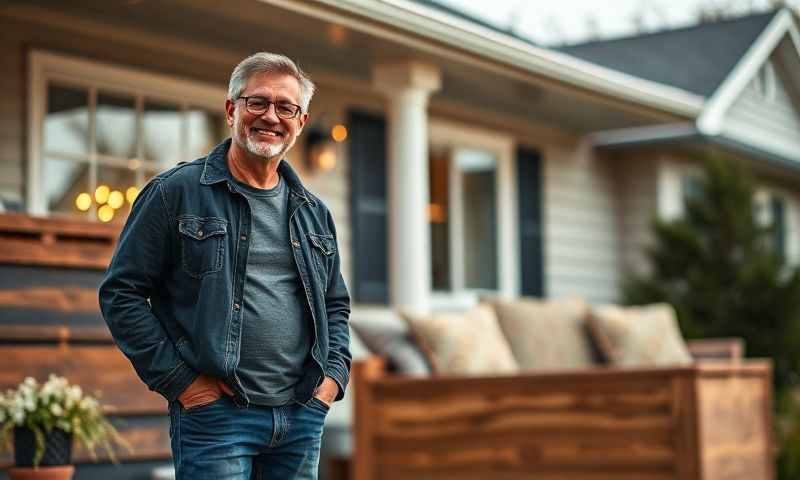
99,132
463,218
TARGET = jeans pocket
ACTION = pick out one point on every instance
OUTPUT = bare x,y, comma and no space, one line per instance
204,406
317,404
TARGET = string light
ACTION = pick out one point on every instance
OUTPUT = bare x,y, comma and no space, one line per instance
131,193
116,199
105,213
83,201
101,194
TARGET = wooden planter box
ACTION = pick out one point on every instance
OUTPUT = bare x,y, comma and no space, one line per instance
709,421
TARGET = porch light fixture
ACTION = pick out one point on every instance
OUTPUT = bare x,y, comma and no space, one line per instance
339,133
320,151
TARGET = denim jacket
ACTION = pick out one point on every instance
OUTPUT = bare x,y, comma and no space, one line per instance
172,295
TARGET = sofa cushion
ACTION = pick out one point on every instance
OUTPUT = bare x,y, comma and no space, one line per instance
546,334
385,333
468,343
647,335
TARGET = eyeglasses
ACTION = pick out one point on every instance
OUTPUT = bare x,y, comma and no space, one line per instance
259,106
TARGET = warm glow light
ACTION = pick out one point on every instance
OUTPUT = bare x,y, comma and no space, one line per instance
134,164
105,213
437,213
339,133
83,201
131,193
101,194
116,199
327,160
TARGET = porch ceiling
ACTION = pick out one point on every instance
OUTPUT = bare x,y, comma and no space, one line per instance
326,50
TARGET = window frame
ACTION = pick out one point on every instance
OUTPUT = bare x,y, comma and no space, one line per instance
45,67
454,136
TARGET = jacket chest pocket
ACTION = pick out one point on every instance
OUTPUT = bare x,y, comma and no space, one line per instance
322,249
202,242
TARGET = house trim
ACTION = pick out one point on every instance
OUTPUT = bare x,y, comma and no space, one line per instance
711,120
465,40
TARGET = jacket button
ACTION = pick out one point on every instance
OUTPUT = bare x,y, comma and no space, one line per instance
243,237
199,233
295,243
236,306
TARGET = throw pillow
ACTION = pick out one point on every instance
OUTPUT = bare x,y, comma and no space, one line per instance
546,334
468,343
386,334
637,336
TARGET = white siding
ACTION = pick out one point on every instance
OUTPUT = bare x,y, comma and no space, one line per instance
770,124
581,237
637,178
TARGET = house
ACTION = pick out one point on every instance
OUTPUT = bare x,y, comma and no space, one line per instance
466,160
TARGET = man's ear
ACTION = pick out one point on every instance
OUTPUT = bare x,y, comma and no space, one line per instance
301,122
230,106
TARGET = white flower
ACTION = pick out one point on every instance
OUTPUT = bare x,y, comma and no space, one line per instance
18,416
74,393
56,410
30,382
30,405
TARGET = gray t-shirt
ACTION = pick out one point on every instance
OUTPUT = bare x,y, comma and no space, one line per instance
276,337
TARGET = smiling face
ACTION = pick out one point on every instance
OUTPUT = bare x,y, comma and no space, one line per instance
266,136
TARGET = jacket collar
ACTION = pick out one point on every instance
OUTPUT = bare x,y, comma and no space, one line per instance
215,170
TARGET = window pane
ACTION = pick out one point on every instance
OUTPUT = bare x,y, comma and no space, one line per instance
480,219
66,125
204,130
438,217
162,134
116,181
63,181
778,213
116,126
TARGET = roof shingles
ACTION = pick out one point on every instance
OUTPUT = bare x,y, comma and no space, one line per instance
696,59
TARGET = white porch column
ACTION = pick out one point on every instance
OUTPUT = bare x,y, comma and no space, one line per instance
407,86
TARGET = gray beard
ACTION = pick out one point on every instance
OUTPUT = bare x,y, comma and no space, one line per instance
268,151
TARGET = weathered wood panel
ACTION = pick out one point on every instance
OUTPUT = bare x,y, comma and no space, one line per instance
96,368
602,423
735,431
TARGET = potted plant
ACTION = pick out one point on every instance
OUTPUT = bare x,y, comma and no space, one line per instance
43,420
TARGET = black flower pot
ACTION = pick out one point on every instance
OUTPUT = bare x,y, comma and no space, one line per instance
57,447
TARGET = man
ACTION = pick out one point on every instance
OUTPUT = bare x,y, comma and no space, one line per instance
225,292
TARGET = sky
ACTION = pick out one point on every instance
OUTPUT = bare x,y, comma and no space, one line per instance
551,22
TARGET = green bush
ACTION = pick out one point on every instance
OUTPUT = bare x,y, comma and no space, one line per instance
720,267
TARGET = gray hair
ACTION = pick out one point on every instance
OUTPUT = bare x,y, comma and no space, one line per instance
266,62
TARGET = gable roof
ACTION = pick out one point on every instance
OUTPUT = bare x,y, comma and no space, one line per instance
706,53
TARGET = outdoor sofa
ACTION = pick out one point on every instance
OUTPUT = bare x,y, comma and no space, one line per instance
708,416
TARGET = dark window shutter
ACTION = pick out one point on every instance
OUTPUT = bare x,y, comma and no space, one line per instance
529,188
367,140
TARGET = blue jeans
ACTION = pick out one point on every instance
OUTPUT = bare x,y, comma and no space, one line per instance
221,440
